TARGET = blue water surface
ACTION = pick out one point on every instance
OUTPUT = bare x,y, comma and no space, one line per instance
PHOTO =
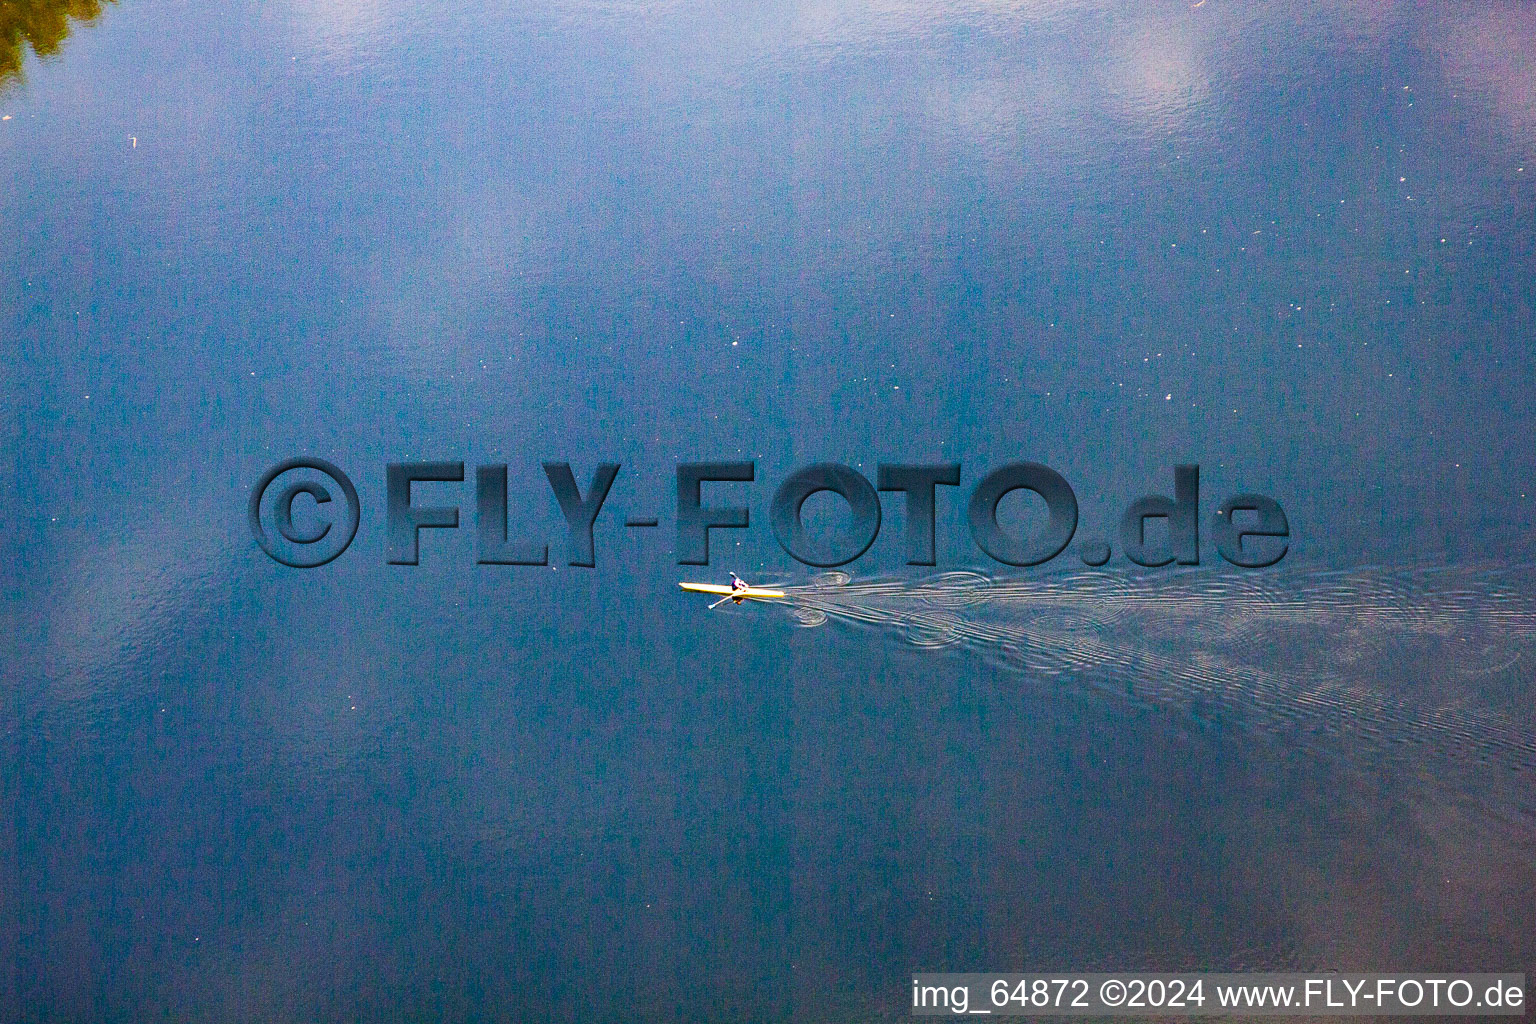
1290,241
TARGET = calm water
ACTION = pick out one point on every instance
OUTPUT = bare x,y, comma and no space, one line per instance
1291,242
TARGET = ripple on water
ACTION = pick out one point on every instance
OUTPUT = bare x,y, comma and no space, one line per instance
809,617
954,589
1366,652
933,630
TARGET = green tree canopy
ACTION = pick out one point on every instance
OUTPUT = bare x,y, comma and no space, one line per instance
42,24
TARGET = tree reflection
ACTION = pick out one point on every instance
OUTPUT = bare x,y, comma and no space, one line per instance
42,24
